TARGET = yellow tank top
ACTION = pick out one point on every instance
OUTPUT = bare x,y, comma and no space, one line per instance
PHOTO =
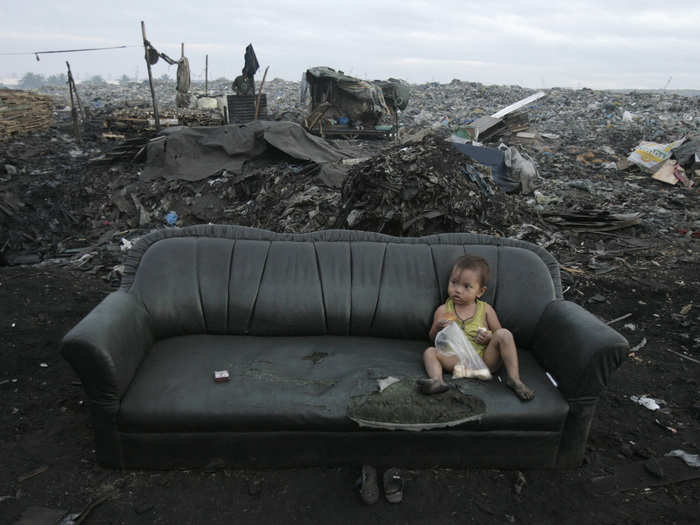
471,325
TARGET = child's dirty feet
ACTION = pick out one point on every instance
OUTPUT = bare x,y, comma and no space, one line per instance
432,386
521,390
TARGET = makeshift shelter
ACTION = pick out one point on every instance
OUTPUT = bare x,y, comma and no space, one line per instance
360,101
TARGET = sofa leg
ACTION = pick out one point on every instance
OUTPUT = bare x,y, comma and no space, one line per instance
575,434
107,442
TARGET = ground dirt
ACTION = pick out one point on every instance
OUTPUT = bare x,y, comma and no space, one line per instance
45,428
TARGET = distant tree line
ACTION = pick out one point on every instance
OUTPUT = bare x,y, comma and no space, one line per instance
37,81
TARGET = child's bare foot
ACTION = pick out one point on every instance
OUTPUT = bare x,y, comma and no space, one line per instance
521,390
432,386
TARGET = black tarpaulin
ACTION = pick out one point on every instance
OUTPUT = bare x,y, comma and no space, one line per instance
199,152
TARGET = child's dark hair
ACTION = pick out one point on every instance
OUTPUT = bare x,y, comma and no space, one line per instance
475,263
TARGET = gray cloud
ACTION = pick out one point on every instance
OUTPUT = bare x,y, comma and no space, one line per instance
596,44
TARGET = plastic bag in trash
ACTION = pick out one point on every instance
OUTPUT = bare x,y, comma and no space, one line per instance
452,341
521,173
650,155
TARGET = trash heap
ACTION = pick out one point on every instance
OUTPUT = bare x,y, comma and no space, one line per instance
425,188
56,204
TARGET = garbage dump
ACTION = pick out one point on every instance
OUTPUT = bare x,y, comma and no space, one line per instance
75,203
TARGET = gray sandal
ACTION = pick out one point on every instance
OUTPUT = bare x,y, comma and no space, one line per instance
393,485
369,490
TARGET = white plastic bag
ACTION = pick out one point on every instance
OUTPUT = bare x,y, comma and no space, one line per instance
452,341
521,173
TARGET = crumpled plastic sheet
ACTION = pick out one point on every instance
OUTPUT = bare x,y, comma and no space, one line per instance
648,402
692,460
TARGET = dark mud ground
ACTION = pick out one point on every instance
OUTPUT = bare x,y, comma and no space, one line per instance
44,424
46,443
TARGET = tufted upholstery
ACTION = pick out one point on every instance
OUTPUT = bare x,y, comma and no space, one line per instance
304,287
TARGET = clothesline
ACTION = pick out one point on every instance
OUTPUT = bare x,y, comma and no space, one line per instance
37,53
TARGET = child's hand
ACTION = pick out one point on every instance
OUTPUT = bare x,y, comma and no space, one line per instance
442,323
483,335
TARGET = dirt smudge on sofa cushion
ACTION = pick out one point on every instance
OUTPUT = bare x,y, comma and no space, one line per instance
401,403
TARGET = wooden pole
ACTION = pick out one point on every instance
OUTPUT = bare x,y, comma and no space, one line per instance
206,75
182,50
257,103
147,47
83,111
73,112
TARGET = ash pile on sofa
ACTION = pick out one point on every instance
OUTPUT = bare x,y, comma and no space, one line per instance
306,322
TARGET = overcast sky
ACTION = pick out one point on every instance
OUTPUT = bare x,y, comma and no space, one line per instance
611,44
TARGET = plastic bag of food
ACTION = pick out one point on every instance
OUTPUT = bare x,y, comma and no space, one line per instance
452,341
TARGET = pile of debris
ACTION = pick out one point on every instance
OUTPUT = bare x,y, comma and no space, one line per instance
425,188
54,203
22,112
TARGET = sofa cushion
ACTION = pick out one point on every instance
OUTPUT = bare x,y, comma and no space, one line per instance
301,383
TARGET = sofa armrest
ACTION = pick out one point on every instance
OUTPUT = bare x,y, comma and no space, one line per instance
106,347
577,348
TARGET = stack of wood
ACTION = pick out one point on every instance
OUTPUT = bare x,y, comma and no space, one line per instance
134,120
23,112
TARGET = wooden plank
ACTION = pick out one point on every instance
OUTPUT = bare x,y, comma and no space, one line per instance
519,104
484,126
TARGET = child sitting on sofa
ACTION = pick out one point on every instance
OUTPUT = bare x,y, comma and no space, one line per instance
480,325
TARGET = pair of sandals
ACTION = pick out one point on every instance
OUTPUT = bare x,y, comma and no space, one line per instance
369,489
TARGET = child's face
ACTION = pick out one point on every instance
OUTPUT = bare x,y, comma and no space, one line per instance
465,286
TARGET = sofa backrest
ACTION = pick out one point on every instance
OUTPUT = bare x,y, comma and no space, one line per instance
234,280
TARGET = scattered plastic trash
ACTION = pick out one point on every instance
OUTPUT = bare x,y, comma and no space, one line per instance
387,382
648,402
126,245
44,365
628,116
221,376
84,259
692,460
649,155
521,172
171,218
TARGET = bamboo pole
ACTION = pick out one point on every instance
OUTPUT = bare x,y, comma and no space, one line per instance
257,103
73,111
206,75
81,109
146,47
